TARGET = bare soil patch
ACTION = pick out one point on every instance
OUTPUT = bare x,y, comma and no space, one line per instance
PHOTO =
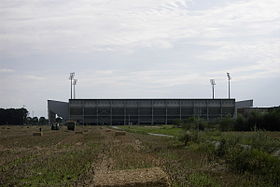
144,177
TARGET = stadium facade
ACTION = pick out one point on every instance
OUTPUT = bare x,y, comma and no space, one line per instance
139,111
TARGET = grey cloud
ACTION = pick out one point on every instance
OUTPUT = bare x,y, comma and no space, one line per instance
135,48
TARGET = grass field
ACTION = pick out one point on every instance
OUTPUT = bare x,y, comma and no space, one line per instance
164,129
66,158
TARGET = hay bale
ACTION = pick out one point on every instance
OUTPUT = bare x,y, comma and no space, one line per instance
78,132
71,125
155,177
120,133
55,126
38,134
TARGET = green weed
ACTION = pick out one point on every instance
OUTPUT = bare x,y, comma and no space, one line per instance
202,180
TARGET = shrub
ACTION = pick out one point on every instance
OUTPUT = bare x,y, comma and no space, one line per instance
178,123
243,153
189,136
71,125
226,124
259,140
201,179
194,123
254,161
269,120
55,126
241,124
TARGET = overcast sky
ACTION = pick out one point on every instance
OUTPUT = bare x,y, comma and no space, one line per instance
138,49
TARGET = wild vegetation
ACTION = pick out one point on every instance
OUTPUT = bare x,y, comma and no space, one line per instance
13,116
249,121
19,116
67,158
254,153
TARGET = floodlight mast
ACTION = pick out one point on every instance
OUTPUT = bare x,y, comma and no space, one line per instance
71,81
213,83
229,78
74,84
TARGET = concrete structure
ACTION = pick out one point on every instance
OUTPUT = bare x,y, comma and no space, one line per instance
255,109
244,104
147,111
57,108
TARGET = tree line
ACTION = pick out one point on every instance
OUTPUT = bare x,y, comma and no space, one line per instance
269,120
249,121
19,116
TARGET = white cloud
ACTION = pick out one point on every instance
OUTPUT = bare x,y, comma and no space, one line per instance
34,77
241,37
114,25
6,70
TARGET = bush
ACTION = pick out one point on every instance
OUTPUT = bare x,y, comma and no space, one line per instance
71,125
190,136
194,124
241,124
256,162
269,120
226,124
261,141
242,152
201,179
55,126
178,123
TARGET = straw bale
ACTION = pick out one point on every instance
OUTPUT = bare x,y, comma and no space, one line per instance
146,177
38,134
120,133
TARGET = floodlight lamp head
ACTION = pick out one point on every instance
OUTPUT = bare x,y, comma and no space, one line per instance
212,81
229,77
72,75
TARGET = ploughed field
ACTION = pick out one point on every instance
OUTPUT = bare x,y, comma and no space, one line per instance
102,156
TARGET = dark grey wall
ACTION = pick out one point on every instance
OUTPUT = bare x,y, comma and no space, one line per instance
244,104
59,108
147,111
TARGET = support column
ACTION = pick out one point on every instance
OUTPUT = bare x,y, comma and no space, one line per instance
69,111
83,113
165,112
111,113
124,117
221,109
152,111
180,105
207,110
193,109
138,117
97,121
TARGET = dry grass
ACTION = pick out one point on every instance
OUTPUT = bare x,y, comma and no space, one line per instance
120,133
37,134
64,158
138,178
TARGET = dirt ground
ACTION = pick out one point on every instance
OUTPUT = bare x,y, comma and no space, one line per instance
98,156
20,150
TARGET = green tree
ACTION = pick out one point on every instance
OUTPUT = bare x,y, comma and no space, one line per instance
35,121
58,120
43,121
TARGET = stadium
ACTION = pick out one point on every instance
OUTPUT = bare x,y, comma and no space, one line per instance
141,111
